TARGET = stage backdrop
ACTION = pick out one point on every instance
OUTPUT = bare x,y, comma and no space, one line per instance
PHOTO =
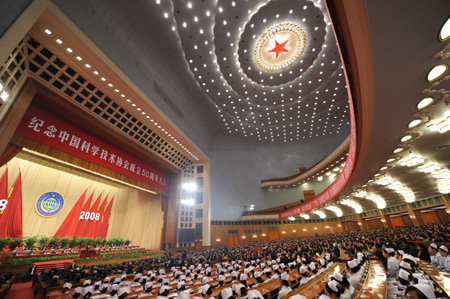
136,215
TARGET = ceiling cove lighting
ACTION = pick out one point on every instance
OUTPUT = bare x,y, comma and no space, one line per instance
436,72
353,204
411,161
336,210
406,138
444,33
398,150
291,218
188,202
424,103
321,214
305,216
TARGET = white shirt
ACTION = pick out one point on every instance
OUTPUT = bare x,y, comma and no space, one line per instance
392,267
303,281
284,291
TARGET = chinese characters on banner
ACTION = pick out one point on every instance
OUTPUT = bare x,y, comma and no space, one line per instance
46,128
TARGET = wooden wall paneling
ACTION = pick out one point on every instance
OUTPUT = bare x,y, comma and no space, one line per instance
430,217
374,223
407,220
397,221
443,215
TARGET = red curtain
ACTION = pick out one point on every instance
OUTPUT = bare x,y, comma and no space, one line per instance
89,229
11,219
3,194
105,219
69,226
98,223
82,223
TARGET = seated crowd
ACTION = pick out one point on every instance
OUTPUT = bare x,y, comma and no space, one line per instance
240,271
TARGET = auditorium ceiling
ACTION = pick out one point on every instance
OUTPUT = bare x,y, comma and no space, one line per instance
263,70
270,71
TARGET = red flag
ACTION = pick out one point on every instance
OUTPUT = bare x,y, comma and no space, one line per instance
98,223
69,226
105,219
90,224
81,219
3,194
12,215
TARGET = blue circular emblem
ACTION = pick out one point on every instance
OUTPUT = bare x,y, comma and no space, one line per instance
49,204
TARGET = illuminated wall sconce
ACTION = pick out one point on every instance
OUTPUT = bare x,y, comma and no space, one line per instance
359,223
315,228
254,236
283,232
304,229
217,240
263,235
327,226
339,225
243,237
294,231
383,220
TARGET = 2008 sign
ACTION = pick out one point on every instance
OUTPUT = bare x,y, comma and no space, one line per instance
89,216
3,204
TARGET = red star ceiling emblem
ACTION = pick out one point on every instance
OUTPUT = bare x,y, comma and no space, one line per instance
279,48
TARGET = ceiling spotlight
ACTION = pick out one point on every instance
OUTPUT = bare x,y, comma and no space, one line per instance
414,123
436,72
444,33
291,218
406,138
398,150
424,103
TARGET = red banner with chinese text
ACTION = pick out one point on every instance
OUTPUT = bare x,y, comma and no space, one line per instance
49,129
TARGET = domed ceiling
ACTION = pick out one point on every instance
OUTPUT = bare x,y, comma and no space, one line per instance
270,68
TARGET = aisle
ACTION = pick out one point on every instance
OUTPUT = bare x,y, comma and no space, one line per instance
20,290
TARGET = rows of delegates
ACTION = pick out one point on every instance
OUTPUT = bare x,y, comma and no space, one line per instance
239,270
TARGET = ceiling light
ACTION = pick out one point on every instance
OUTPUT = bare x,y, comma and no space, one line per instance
59,41
188,202
69,50
190,186
398,150
444,33
414,123
47,31
291,218
406,138
425,102
436,72
321,214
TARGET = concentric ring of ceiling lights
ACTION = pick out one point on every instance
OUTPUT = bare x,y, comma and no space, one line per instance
306,99
289,40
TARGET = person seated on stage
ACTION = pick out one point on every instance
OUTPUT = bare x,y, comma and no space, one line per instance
285,286
345,284
443,259
419,291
